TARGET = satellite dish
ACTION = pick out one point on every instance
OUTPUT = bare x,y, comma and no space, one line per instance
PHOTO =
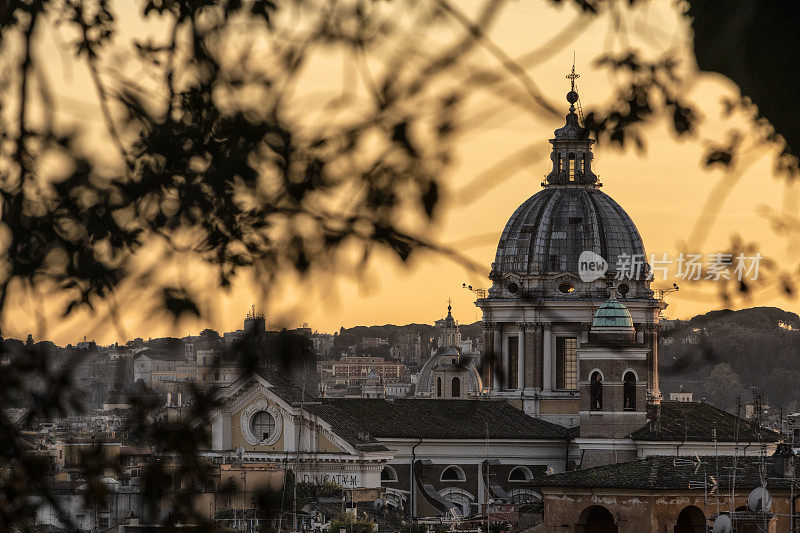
240,452
377,504
723,524
759,500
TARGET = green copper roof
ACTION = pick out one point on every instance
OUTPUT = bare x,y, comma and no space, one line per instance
612,314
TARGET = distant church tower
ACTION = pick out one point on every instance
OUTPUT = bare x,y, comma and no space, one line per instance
448,373
446,330
538,313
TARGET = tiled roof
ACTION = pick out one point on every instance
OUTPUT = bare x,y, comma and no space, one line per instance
442,419
696,421
361,422
342,425
159,355
347,427
668,472
284,387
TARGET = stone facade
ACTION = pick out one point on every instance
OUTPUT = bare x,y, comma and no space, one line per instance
635,511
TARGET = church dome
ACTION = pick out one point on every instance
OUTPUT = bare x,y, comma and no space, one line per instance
548,233
612,314
448,363
551,229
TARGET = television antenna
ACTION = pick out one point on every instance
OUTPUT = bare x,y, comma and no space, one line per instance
480,293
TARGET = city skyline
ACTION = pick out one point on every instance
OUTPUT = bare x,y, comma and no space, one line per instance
399,266
667,182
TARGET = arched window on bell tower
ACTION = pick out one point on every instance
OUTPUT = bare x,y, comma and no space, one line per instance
629,391
596,392
438,387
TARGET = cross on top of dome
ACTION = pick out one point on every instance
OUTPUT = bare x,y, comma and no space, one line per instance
572,76
572,95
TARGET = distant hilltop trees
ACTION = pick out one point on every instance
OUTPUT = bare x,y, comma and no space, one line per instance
722,355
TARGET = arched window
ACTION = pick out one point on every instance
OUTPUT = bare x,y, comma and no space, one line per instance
453,473
438,387
691,519
629,392
456,389
520,473
524,496
388,474
462,499
597,518
596,392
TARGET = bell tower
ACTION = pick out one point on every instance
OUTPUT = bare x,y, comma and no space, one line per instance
613,381
447,329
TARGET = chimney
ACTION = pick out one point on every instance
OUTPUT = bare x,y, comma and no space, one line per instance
782,464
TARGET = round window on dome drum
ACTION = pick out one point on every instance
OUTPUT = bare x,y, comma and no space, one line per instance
513,287
566,288
623,289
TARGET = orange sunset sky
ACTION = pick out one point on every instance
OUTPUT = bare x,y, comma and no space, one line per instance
663,189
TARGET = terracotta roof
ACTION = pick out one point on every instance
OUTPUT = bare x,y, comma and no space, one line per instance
696,421
668,472
441,419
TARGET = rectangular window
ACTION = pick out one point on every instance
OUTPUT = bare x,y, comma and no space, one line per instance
571,167
567,363
511,371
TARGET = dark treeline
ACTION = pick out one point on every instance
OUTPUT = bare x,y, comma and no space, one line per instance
722,355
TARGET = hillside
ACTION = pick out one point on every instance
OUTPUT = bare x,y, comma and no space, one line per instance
352,336
723,354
